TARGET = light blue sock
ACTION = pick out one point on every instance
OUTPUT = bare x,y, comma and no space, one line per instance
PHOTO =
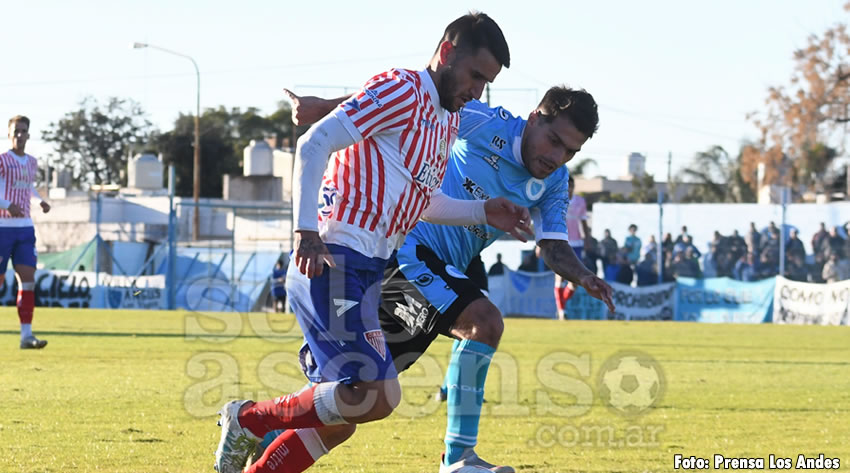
465,382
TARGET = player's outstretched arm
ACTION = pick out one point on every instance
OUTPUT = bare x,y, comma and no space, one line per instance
308,109
559,255
500,213
311,158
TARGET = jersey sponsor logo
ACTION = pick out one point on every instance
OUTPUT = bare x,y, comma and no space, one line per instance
498,142
454,272
428,176
503,114
424,279
326,204
479,232
375,338
342,306
474,189
493,160
413,313
374,96
277,457
534,188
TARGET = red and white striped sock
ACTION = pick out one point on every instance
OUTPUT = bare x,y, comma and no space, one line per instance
314,406
291,452
26,307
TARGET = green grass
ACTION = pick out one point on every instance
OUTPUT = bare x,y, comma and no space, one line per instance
138,392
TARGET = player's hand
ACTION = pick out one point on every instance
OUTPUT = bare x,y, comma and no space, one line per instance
45,207
598,289
509,217
311,254
306,110
15,210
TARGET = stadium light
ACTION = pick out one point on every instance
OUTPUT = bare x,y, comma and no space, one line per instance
196,172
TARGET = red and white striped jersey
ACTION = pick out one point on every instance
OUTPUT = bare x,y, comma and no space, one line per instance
374,191
17,179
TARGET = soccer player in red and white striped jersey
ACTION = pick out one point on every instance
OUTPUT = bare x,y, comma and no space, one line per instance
18,172
388,147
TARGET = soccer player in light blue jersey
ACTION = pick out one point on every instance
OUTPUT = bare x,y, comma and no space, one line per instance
425,291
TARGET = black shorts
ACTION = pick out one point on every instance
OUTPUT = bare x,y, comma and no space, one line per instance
421,302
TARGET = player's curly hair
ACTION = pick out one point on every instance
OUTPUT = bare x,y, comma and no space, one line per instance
577,104
19,118
474,31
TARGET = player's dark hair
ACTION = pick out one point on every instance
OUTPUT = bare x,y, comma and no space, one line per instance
474,31
19,118
577,105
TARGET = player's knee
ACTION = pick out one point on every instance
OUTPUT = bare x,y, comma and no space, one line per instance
334,435
388,399
481,321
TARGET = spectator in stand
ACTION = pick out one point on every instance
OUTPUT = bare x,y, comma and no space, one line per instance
795,268
753,239
794,246
830,269
834,243
818,238
686,265
682,235
819,249
632,245
608,249
646,272
667,245
709,262
498,267
620,270
591,253
768,266
650,247
745,270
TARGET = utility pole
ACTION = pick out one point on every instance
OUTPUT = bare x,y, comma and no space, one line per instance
669,174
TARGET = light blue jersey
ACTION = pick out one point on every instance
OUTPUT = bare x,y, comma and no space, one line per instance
485,162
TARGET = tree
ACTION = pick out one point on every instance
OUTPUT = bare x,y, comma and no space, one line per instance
578,169
643,189
224,135
805,119
717,178
95,142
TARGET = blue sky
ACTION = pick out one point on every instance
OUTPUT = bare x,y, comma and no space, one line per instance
668,75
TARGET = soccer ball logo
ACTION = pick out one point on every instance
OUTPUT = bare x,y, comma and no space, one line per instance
631,382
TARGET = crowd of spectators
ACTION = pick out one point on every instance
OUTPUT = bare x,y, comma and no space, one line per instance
749,257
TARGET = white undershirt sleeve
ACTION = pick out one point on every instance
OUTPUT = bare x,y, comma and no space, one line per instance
311,159
35,195
445,210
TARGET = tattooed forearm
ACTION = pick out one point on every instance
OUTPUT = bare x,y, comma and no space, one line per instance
561,258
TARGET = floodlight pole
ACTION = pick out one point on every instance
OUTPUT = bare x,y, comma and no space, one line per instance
196,168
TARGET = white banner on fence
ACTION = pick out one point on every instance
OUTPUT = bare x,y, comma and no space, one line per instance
811,304
644,303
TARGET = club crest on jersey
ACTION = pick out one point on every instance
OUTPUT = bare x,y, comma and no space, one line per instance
428,176
534,188
493,161
443,147
375,338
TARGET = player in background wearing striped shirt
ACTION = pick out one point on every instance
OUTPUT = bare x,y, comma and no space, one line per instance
390,145
18,172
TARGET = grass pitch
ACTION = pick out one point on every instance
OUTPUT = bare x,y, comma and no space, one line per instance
121,391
